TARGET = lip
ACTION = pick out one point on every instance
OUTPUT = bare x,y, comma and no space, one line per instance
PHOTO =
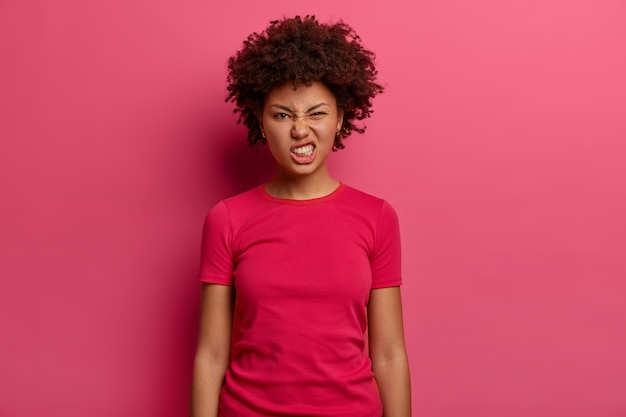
301,144
303,159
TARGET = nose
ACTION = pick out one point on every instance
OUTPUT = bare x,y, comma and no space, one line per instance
299,129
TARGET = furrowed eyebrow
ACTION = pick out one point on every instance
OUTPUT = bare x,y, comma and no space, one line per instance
285,108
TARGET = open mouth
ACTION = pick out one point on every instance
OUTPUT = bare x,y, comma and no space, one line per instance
306,150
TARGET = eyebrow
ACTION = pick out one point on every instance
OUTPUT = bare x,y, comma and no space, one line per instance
280,106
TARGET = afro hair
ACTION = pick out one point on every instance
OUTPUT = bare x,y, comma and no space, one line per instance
303,50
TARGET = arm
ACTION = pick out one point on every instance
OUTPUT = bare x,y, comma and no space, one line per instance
213,351
387,351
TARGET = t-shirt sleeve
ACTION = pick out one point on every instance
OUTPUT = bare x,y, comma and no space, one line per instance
386,255
216,260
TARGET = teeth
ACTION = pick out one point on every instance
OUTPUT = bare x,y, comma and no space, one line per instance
304,150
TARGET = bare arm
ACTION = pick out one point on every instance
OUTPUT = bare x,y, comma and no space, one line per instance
213,351
388,352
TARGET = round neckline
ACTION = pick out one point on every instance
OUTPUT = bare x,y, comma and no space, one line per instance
332,195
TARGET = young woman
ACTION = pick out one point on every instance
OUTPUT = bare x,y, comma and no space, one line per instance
299,271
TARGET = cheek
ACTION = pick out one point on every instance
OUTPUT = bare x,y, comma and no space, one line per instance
271,132
276,137
331,129
275,142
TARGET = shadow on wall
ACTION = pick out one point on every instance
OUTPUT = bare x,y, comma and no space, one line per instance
223,165
233,166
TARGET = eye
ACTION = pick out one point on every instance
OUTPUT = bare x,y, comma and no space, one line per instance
281,116
317,115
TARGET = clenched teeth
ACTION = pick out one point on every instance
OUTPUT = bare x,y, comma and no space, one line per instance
304,150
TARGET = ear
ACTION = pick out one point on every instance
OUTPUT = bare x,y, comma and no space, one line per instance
261,128
339,120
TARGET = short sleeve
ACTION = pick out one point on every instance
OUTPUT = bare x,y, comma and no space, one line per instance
216,260
385,259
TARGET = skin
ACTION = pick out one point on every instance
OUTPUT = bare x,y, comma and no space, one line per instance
292,118
387,351
213,350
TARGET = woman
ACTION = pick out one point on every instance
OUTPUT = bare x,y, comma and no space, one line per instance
297,271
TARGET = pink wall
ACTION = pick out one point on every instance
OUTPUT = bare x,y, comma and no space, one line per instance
500,141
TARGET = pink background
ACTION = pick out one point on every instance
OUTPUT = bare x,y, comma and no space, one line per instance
500,141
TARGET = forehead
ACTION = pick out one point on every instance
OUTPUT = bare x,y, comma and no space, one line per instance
302,96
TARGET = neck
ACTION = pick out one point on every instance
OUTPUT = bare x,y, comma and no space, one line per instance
301,187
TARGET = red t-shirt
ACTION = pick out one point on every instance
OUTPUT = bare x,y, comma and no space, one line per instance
303,271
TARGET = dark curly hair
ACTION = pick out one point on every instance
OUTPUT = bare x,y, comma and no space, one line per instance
303,51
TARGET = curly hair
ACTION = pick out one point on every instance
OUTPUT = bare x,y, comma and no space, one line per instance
303,51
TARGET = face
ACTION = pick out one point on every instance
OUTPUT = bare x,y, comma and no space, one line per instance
300,126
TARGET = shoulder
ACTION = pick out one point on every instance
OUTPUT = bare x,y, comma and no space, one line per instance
360,196
367,201
247,200
247,197
235,206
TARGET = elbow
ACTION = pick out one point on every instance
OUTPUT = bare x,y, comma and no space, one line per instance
213,358
392,357
219,361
